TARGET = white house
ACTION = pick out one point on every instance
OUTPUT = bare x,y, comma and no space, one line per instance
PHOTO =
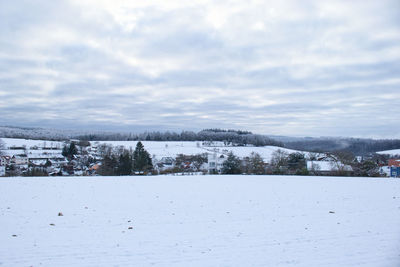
5,160
164,163
385,171
2,170
215,162
20,160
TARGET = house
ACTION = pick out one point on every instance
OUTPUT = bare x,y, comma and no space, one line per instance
394,165
215,162
42,165
5,160
20,160
2,170
384,171
164,163
93,168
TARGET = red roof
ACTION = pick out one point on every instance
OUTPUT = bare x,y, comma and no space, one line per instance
394,162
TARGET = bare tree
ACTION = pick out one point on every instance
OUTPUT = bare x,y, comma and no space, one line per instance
342,162
2,146
279,161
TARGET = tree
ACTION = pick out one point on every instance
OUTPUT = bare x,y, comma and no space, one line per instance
366,168
141,159
108,165
105,150
124,164
343,162
254,164
70,150
2,146
65,151
279,162
297,163
231,165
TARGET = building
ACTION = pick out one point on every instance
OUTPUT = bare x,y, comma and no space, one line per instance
20,160
394,165
5,160
215,162
2,170
384,171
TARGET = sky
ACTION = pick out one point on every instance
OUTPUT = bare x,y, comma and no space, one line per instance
294,68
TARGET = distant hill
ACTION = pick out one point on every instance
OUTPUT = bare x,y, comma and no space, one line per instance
235,137
358,146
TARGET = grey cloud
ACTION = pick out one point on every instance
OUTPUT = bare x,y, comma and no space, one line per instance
302,74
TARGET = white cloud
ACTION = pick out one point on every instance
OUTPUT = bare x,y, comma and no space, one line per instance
282,67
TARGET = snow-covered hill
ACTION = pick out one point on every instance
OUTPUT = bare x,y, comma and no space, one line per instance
392,152
156,149
32,148
200,221
172,149
29,143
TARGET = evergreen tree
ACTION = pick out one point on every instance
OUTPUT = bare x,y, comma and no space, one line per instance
2,146
72,150
231,165
65,151
141,159
69,151
108,166
124,164
296,163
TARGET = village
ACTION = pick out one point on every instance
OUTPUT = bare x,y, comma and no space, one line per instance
20,157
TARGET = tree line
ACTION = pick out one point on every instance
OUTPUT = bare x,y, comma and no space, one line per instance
121,161
233,137
283,163
357,146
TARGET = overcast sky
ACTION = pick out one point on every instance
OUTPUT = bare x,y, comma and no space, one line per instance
297,68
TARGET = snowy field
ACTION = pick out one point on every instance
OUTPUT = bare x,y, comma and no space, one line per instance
173,148
10,142
157,149
200,221
393,152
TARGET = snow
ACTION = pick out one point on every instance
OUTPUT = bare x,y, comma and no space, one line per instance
35,153
392,152
157,149
160,149
15,142
53,149
200,221
173,148
327,166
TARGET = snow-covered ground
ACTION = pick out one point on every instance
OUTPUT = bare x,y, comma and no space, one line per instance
15,142
157,149
172,149
392,152
200,221
33,148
